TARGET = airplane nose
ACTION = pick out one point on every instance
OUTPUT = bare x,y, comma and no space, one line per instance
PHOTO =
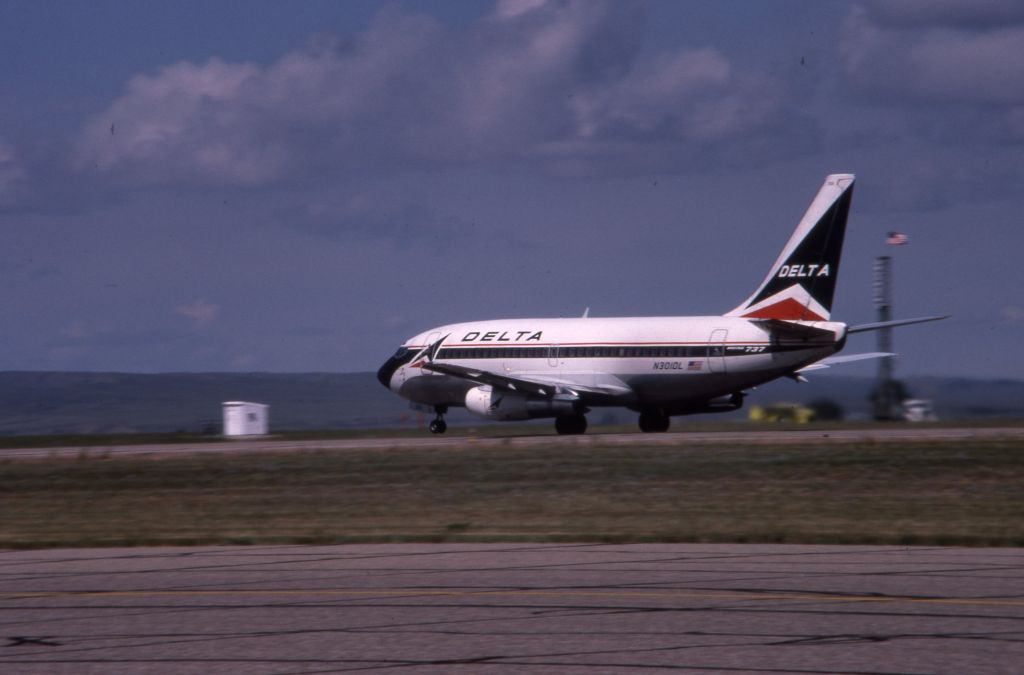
399,359
386,371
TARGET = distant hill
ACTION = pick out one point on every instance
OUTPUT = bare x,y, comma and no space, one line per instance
52,402
58,402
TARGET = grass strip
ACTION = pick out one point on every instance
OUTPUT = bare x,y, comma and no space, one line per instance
892,493
487,430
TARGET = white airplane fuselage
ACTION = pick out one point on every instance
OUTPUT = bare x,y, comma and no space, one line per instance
673,364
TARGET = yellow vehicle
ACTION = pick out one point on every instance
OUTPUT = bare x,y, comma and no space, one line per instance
782,412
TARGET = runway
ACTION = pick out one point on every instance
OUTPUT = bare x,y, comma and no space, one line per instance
513,609
924,434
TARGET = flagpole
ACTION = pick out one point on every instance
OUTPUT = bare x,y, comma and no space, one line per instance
889,393
884,405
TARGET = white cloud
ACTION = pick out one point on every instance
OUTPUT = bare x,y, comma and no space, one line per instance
186,120
201,312
240,123
530,77
950,13
946,72
1013,313
507,9
691,95
77,330
928,63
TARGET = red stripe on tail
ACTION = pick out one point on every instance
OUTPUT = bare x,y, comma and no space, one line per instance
787,310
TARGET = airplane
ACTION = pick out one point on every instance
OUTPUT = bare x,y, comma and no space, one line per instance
660,367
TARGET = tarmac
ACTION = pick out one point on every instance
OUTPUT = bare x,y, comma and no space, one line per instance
722,608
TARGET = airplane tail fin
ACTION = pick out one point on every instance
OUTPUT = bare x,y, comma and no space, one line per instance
801,283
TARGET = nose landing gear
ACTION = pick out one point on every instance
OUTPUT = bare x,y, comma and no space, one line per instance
438,425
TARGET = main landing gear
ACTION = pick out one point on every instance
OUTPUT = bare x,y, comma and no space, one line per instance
654,421
571,424
438,425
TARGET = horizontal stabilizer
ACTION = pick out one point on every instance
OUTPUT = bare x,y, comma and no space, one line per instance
836,360
864,327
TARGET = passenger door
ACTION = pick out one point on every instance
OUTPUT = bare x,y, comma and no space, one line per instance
716,350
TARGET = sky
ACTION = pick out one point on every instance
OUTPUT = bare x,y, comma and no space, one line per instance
301,186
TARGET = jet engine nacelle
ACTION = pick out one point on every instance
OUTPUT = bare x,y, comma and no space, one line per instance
726,403
733,401
503,405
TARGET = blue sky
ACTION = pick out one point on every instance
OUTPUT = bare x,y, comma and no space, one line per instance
301,186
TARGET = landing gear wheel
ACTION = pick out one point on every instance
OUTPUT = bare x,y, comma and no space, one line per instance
653,422
571,424
438,425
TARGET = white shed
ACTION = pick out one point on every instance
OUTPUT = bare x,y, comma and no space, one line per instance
242,418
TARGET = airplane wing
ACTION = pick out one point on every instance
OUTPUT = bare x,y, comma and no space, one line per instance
538,387
545,389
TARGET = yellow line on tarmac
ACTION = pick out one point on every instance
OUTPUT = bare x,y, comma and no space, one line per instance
456,593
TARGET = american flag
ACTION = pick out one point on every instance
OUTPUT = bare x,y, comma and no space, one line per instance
694,365
897,239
